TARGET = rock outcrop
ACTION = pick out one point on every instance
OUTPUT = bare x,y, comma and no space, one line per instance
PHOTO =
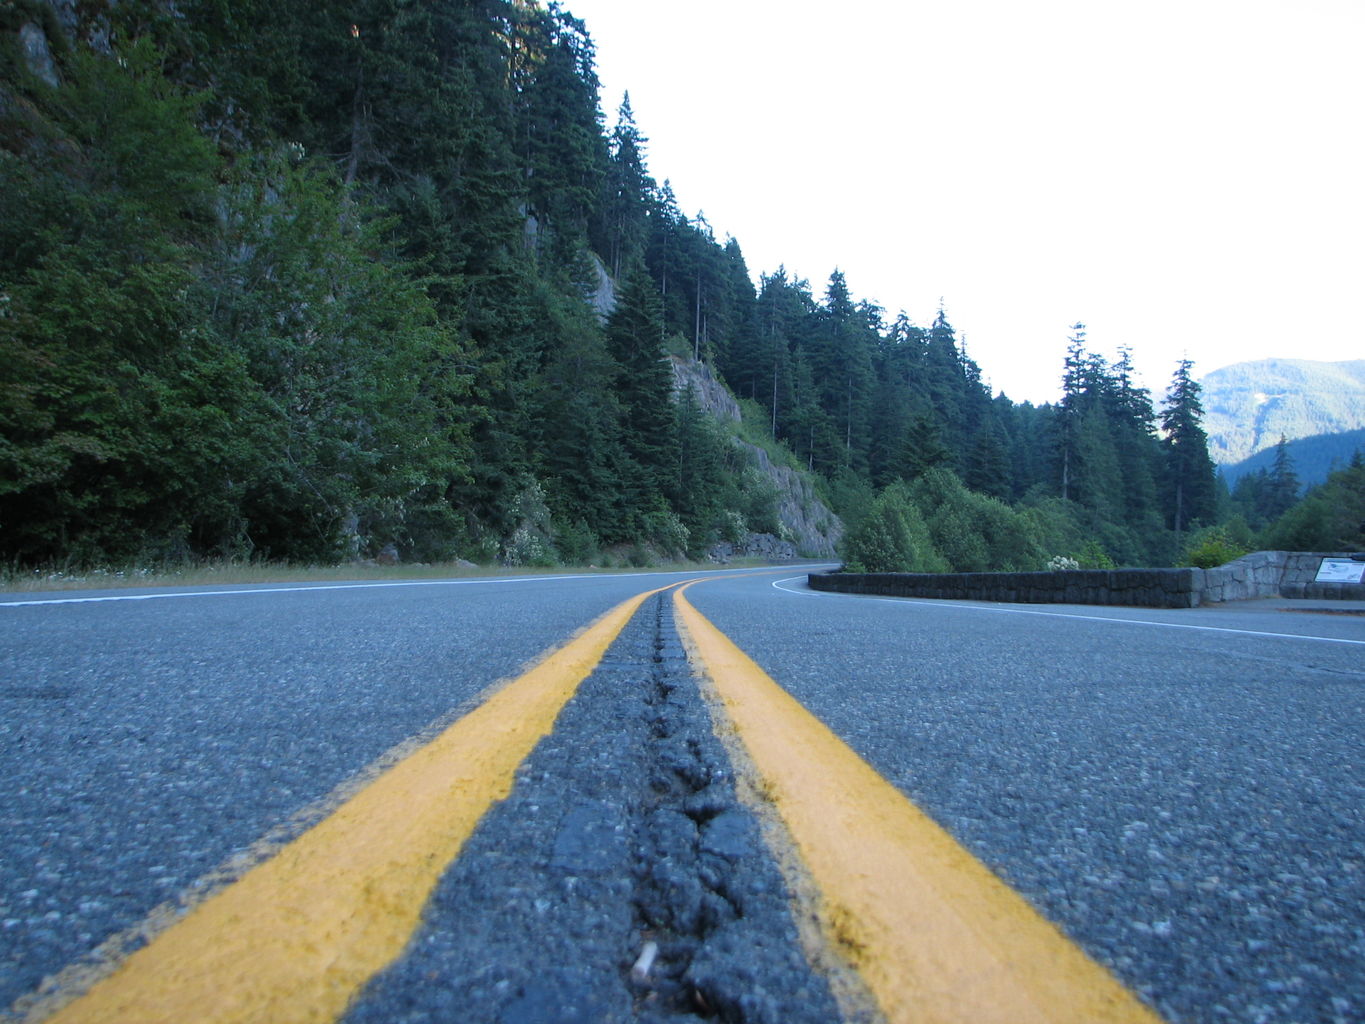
754,545
807,522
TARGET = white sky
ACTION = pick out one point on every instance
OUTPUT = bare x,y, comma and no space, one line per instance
1183,176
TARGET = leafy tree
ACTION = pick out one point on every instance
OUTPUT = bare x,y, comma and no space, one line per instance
974,532
355,418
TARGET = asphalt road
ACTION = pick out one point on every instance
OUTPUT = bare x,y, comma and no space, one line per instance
1181,792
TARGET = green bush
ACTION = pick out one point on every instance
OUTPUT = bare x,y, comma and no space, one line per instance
1093,556
576,543
1210,548
892,537
975,532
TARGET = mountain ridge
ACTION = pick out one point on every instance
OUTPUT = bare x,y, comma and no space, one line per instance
1248,406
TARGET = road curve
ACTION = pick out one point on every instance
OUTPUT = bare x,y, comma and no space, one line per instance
1180,793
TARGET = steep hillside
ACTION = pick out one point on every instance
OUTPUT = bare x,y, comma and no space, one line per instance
804,518
1313,457
1247,406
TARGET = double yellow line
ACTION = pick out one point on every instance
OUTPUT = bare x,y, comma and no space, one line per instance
934,936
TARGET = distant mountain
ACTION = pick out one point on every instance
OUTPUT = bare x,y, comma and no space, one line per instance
1247,406
1313,457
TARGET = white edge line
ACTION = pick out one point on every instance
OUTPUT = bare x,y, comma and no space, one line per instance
480,581
807,591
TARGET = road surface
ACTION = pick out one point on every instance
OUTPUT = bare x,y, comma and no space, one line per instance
1172,799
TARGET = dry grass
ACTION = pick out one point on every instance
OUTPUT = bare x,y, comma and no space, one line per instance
230,573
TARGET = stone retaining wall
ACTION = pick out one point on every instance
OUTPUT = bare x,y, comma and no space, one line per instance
1261,574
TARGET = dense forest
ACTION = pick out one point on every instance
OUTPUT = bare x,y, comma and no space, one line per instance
1248,406
303,282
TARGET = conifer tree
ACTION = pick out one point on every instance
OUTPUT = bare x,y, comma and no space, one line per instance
1189,482
1282,484
644,387
629,187
1069,412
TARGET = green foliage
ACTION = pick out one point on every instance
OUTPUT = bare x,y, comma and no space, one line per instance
892,537
851,497
532,539
974,532
302,281
1092,556
354,419
1310,399
1330,517
105,367
1210,548
576,543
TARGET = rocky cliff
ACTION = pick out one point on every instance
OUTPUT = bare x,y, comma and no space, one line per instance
806,520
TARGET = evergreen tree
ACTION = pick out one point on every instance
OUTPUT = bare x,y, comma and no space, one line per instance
946,385
577,439
986,469
1331,517
1189,482
1282,484
699,477
629,187
921,449
644,389
1069,413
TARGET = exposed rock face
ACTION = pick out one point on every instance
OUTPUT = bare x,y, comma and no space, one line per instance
713,396
37,54
755,545
813,527
807,521
603,298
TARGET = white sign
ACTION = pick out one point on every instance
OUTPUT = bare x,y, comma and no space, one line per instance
1340,570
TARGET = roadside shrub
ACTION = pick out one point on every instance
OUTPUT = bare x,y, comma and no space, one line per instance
892,537
667,531
732,526
576,543
1093,556
975,532
530,542
1210,548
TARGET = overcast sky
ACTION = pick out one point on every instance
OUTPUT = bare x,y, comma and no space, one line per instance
1184,176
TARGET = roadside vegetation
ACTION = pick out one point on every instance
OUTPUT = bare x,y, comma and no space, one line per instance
325,284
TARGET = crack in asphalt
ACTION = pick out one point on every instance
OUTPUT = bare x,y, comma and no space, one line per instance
623,832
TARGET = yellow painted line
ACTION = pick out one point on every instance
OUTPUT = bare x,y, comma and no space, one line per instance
298,936
935,936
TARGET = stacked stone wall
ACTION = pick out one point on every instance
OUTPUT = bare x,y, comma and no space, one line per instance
1260,574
